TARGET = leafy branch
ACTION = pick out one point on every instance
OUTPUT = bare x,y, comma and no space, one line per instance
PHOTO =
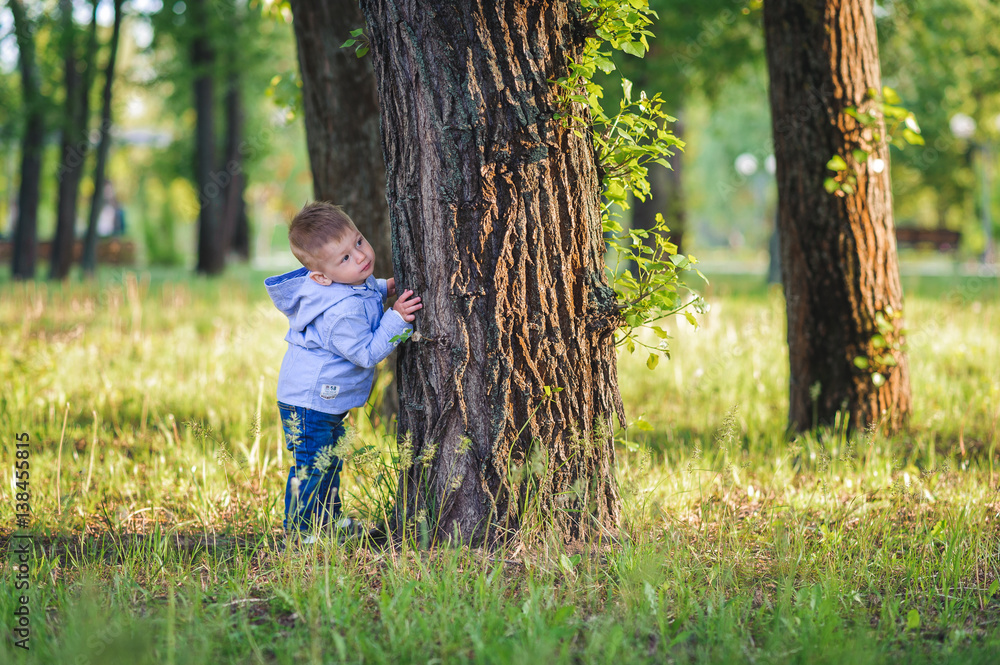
626,142
360,41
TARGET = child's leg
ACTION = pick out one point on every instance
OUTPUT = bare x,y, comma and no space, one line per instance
306,505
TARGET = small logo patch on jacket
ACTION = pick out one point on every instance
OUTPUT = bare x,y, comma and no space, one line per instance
329,392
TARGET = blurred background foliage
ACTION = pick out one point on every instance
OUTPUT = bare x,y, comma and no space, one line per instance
942,56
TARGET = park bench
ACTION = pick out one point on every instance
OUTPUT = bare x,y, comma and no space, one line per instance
943,240
110,251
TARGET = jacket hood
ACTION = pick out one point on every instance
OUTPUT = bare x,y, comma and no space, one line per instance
302,300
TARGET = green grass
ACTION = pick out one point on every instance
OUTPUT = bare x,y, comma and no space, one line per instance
743,544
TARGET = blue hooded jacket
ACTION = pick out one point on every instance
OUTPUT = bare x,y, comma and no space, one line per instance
336,336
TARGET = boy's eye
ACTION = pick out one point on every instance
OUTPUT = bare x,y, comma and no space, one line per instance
347,257
360,240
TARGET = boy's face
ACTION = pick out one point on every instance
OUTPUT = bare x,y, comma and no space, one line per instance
349,260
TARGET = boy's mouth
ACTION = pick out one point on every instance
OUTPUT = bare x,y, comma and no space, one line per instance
366,267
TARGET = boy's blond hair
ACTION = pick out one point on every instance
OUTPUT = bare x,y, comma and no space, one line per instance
315,225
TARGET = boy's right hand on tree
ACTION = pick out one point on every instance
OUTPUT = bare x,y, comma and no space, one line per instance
407,304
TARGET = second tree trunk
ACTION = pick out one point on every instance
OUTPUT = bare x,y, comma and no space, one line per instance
838,250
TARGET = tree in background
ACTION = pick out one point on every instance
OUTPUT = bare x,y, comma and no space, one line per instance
26,227
214,57
234,227
211,253
79,75
340,106
89,259
838,252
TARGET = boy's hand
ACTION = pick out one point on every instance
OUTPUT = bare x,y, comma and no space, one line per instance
407,304
390,284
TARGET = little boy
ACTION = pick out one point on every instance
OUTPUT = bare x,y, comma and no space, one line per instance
338,331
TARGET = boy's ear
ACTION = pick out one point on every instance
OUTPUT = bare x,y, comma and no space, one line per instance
320,278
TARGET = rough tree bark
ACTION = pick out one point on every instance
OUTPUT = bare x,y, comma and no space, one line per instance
838,252
89,259
75,143
340,105
26,228
496,224
211,252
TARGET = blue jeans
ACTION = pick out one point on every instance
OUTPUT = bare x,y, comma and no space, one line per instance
318,500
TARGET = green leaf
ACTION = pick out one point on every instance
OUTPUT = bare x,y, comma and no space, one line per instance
836,163
912,137
566,563
652,361
831,185
627,89
642,425
860,155
890,96
861,362
606,65
912,620
349,42
993,588
362,51
634,48
690,319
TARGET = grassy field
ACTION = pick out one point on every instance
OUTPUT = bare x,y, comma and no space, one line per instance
157,473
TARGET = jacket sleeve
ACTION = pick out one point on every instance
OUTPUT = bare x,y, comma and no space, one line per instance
383,288
351,336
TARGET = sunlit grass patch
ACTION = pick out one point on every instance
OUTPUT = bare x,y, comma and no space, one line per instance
741,542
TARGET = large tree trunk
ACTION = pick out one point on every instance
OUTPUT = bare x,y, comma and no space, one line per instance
75,142
211,252
26,228
89,259
496,224
838,252
340,104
